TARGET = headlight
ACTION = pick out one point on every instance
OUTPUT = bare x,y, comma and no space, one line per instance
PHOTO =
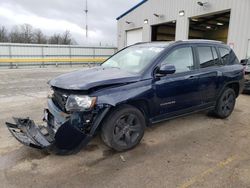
80,103
50,93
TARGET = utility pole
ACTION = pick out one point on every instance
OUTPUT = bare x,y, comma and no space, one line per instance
86,13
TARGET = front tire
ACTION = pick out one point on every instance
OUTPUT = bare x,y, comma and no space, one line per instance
225,104
123,128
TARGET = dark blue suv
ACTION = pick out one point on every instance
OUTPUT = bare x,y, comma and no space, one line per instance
141,85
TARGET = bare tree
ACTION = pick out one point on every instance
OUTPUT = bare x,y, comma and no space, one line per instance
3,34
39,37
66,38
73,41
26,33
55,39
15,36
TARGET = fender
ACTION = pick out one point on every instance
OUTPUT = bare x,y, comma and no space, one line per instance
226,85
122,94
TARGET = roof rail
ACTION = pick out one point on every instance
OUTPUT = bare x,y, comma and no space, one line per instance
200,40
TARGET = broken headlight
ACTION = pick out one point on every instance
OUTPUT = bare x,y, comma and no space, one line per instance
50,93
80,103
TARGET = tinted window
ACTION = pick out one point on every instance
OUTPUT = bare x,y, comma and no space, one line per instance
181,58
233,58
224,55
205,56
216,57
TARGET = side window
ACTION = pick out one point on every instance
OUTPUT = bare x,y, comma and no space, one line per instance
224,55
205,56
181,58
216,57
233,58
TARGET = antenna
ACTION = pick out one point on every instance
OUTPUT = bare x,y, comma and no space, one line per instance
86,13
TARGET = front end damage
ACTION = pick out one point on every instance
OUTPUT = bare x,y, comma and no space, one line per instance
61,133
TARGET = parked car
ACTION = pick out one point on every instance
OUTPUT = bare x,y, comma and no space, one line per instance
137,87
246,64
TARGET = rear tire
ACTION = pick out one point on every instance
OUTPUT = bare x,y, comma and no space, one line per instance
123,128
225,104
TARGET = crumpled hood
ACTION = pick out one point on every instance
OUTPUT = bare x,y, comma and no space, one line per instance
93,77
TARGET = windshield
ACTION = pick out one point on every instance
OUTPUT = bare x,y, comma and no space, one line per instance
133,59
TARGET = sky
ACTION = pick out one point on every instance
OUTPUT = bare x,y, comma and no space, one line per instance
57,16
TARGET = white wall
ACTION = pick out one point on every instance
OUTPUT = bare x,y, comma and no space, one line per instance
239,29
248,49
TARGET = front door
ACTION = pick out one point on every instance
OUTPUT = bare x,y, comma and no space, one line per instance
178,93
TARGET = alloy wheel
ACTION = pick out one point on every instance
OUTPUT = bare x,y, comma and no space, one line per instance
127,130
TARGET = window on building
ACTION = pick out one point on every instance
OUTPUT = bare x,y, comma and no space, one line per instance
181,58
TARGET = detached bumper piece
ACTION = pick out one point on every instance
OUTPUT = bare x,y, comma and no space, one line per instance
26,132
66,139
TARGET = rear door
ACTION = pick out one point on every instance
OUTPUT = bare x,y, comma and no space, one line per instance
209,73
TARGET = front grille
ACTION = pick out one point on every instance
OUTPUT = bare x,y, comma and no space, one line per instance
59,98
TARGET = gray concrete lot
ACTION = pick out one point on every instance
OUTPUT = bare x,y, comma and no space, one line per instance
193,151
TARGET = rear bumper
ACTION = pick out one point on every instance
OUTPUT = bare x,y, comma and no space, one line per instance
61,133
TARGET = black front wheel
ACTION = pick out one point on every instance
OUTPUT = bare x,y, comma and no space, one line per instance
124,128
225,104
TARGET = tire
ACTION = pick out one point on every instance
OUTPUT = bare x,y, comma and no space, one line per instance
225,104
123,128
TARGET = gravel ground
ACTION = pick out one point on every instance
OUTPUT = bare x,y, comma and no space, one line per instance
193,151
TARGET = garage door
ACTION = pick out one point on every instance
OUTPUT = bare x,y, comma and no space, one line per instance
212,27
134,36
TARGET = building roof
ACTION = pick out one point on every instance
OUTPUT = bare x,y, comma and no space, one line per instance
130,10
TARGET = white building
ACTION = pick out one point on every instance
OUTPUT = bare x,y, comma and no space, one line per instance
157,20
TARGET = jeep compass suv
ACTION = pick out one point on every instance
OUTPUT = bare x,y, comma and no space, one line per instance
137,87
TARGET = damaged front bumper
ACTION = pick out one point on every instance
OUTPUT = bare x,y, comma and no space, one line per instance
61,133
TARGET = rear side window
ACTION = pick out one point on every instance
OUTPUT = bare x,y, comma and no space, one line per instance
224,52
216,57
228,56
206,57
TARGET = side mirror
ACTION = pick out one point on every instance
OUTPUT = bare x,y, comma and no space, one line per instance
244,62
166,69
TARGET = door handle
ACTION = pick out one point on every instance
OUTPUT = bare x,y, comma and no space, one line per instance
192,77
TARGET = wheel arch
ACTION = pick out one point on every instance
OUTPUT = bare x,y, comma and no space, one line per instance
233,85
140,104
143,106
236,87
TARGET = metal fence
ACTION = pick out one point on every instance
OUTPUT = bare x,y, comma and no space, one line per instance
16,55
